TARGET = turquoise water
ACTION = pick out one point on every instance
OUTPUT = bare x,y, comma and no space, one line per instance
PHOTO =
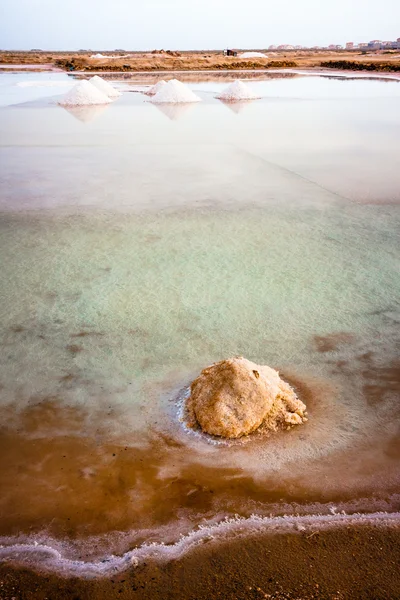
139,245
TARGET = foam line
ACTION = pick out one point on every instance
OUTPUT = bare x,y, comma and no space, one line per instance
46,557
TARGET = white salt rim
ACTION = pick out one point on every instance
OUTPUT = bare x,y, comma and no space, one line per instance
237,91
156,87
54,556
84,94
103,85
174,91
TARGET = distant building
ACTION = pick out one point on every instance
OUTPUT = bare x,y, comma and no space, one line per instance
375,45
350,46
335,47
229,52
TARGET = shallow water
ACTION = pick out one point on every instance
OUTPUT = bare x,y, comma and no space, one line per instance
140,243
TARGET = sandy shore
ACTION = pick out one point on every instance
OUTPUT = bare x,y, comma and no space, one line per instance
360,563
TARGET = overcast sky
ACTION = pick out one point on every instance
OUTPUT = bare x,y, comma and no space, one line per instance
193,24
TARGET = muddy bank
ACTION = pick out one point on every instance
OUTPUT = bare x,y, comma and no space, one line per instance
360,563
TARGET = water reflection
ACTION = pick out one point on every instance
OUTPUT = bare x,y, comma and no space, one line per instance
175,111
236,107
194,77
85,114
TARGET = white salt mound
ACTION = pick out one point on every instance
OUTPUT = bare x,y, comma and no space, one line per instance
155,88
104,87
84,94
98,56
174,91
237,91
252,55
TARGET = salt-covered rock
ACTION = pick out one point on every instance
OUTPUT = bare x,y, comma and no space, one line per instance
234,397
236,92
105,87
174,91
155,88
84,94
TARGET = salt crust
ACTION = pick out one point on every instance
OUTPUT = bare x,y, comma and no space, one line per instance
49,555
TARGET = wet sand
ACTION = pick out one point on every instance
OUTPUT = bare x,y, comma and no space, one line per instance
361,563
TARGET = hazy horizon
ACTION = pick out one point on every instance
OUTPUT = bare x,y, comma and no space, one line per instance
101,25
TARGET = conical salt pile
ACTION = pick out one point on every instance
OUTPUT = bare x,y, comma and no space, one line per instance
174,91
237,91
84,94
252,55
155,88
104,87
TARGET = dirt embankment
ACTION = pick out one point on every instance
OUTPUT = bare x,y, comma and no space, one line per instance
173,64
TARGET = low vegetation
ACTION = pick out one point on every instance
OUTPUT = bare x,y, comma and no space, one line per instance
351,65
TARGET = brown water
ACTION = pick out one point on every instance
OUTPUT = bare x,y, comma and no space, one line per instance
136,249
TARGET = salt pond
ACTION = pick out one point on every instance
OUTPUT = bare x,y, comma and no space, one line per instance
140,243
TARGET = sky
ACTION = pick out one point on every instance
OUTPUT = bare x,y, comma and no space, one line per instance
193,24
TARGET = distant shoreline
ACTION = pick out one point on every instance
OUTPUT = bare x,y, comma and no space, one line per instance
376,63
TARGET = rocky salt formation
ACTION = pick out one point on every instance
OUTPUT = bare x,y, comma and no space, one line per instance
234,397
